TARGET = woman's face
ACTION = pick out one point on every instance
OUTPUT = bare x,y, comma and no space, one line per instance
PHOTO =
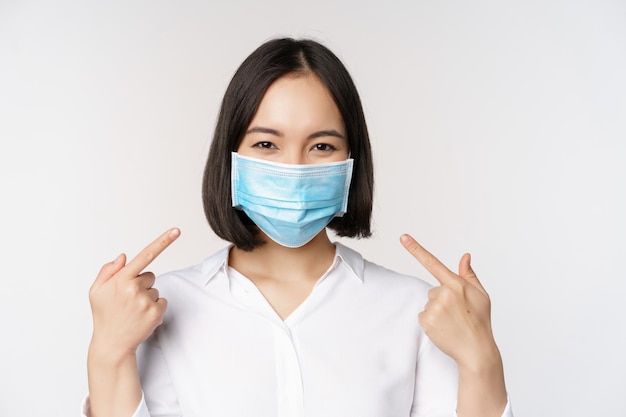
297,123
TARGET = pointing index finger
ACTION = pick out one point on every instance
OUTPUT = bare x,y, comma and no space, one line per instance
427,259
150,252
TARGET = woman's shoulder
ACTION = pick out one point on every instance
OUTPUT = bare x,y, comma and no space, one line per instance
382,274
198,274
374,274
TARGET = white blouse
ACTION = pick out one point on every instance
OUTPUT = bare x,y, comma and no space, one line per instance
354,347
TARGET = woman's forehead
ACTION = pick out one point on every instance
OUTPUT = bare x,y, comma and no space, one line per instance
298,102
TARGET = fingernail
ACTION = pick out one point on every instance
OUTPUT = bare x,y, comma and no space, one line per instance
174,232
405,239
118,259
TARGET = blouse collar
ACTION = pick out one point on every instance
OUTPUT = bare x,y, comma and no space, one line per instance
343,254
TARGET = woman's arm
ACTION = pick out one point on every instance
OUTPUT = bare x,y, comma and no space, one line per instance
457,319
114,388
481,387
126,310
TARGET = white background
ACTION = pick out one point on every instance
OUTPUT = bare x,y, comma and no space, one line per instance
498,128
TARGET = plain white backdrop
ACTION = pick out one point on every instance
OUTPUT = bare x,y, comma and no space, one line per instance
498,127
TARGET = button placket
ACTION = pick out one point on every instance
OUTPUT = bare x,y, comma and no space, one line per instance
288,374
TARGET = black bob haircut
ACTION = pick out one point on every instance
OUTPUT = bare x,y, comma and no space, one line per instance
269,62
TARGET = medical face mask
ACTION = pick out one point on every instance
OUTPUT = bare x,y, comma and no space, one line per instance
290,203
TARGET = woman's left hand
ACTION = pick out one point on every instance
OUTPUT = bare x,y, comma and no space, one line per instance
457,316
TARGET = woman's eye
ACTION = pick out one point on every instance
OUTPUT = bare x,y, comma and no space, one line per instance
324,147
264,145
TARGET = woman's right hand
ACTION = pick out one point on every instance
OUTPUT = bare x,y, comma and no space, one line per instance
126,308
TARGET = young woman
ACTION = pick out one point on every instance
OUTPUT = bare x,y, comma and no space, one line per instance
284,322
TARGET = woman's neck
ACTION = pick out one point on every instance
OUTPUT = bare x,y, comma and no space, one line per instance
272,261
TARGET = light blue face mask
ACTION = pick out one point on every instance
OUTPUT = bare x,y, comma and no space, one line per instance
290,203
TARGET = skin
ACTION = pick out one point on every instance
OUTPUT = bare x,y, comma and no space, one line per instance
126,310
457,318
297,123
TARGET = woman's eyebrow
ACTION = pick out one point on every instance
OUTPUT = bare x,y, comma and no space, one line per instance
319,134
323,133
259,129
